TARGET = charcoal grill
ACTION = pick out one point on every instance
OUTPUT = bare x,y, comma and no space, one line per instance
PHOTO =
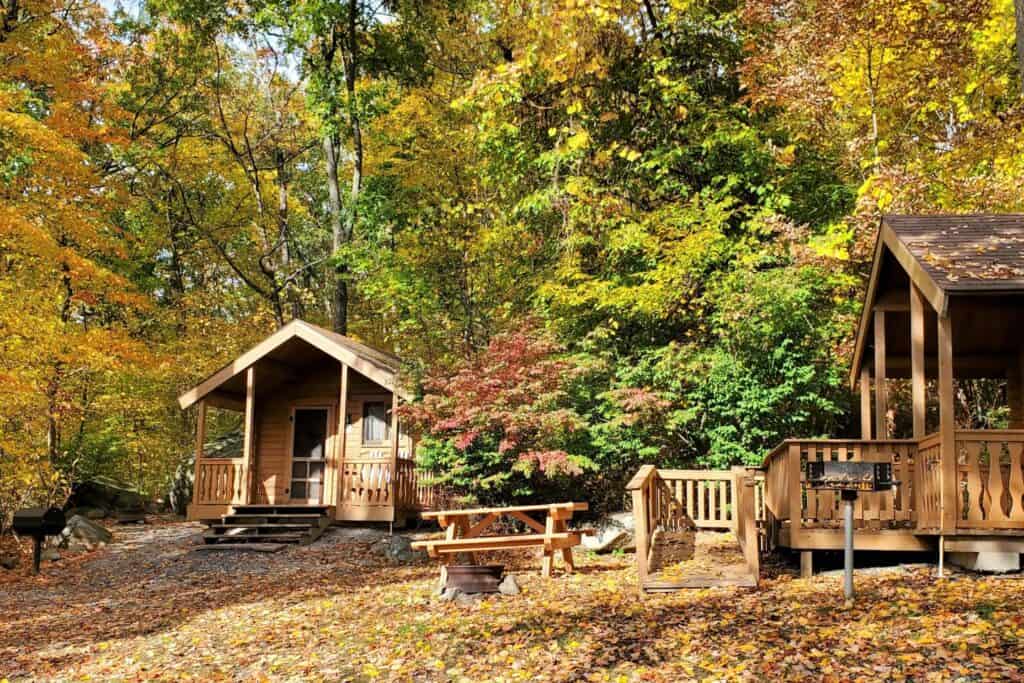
850,479
38,523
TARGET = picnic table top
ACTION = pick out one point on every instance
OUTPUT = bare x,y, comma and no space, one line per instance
575,507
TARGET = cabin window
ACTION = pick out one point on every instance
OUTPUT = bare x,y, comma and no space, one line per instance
376,422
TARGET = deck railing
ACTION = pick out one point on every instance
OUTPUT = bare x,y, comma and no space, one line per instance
990,479
669,500
655,509
219,481
989,488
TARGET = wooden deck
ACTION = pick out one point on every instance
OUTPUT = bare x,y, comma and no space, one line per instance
974,504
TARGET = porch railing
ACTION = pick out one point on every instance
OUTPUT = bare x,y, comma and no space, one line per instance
668,500
989,488
990,479
219,481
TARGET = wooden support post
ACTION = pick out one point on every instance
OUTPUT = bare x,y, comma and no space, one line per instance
794,490
249,437
865,403
200,448
549,529
394,456
947,426
806,564
917,376
341,440
1015,391
640,533
881,393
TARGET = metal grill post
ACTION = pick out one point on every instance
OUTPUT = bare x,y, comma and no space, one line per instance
848,498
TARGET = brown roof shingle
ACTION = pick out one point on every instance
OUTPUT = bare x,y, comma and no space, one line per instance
966,253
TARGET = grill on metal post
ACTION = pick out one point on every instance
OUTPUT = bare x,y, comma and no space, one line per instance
849,478
38,523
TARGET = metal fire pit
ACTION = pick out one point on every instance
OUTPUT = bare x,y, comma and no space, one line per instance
38,523
475,578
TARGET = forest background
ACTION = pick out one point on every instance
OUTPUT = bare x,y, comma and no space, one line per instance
599,233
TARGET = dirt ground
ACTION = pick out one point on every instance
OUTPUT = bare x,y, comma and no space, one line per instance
149,607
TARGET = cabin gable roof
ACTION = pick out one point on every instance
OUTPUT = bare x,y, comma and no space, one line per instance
944,256
379,366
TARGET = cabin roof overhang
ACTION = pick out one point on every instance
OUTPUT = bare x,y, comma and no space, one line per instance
945,257
376,365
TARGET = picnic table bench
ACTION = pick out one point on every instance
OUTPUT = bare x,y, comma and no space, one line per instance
464,535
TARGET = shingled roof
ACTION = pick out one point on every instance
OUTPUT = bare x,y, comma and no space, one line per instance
966,253
945,256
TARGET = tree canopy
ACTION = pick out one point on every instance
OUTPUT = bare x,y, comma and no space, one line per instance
599,234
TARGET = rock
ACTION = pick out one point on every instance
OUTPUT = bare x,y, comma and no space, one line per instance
106,494
84,534
399,549
449,594
613,532
468,598
988,562
87,512
509,586
9,561
49,555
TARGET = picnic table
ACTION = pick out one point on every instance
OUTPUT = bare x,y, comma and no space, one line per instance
464,532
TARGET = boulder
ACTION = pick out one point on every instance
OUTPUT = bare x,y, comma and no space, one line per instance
87,512
49,555
509,586
105,494
988,562
449,594
84,534
612,532
399,549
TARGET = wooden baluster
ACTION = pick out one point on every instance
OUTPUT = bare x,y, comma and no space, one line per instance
974,491
690,496
994,497
858,505
723,510
1016,511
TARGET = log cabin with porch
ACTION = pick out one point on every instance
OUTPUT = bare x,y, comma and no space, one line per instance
321,441
944,303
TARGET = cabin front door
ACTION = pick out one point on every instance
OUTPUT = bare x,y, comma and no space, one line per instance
310,428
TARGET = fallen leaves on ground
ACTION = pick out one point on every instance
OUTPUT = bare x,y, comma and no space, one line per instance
149,609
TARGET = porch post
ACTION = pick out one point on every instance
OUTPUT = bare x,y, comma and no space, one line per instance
394,454
249,437
917,371
1015,391
200,448
881,396
865,403
342,439
947,426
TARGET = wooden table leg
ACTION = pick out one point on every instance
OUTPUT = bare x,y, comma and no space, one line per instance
561,527
545,569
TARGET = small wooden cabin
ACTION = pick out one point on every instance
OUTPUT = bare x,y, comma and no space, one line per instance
319,428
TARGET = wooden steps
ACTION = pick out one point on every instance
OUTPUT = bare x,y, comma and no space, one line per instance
267,525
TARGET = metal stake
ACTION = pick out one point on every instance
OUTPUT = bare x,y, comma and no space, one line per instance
848,498
37,553
942,554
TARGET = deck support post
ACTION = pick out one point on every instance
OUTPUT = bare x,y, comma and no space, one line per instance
881,394
947,427
917,371
865,403
942,554
249,437
806,564
394,455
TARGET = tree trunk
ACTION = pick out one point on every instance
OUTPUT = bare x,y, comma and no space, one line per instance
294,305
1018,11
339,295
